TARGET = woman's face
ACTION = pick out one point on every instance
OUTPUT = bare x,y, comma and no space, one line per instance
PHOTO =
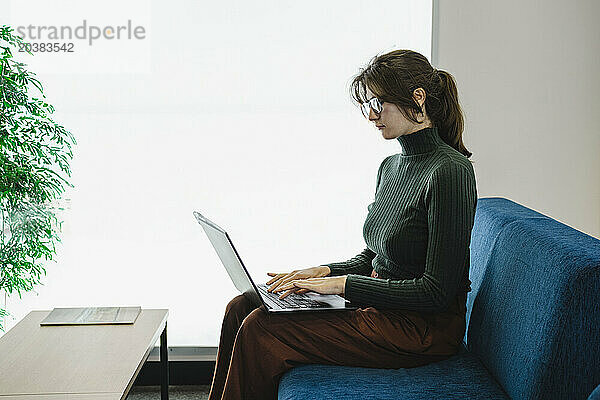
392,123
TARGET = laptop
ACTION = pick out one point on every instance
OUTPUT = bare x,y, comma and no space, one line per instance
257,294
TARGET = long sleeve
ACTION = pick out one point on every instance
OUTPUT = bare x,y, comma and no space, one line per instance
361,264
451,198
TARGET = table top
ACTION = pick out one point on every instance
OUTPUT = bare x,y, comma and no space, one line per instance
63,396
77,362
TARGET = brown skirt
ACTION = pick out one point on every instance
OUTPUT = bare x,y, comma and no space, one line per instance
256,348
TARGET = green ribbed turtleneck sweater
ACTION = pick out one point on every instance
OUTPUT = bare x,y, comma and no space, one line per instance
418,229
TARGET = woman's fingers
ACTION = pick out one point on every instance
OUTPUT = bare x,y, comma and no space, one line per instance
319,285
306,283
284,295
285,281
292,290
327,285
280,281
277,276
291,287
276,284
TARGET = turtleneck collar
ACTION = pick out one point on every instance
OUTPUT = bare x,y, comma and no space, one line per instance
421,141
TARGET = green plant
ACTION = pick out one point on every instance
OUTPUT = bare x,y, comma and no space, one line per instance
34,163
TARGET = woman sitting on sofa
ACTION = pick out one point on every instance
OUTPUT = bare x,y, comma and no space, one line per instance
412,278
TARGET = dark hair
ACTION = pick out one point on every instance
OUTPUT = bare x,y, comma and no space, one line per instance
393,77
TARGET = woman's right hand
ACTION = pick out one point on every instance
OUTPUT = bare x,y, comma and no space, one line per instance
283,278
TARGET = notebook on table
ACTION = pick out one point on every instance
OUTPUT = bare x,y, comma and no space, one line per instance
92,316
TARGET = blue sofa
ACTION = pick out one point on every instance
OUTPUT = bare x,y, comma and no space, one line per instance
533,322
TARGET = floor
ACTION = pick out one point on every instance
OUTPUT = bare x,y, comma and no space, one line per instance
183,392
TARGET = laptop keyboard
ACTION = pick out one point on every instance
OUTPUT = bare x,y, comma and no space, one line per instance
293,300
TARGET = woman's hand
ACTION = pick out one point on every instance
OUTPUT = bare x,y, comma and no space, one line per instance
329,285
282,279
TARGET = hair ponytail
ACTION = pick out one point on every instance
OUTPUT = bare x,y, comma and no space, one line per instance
451,124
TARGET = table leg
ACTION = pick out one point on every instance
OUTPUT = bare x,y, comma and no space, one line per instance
164,363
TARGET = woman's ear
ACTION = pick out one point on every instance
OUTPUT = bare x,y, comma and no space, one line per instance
419,95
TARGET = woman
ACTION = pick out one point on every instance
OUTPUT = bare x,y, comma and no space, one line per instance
413,277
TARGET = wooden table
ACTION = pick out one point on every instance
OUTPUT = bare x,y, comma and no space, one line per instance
79,362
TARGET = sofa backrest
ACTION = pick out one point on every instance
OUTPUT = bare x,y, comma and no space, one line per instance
533,315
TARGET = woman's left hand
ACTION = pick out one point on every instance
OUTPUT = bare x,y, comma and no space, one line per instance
325,285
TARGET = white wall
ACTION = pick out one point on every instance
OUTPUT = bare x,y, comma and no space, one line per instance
239,110
527,74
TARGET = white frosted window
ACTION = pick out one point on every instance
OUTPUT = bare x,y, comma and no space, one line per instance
239,110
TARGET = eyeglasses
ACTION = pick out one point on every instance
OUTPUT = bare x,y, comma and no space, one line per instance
373,104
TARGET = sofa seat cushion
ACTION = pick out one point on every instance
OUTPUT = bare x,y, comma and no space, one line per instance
459,377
